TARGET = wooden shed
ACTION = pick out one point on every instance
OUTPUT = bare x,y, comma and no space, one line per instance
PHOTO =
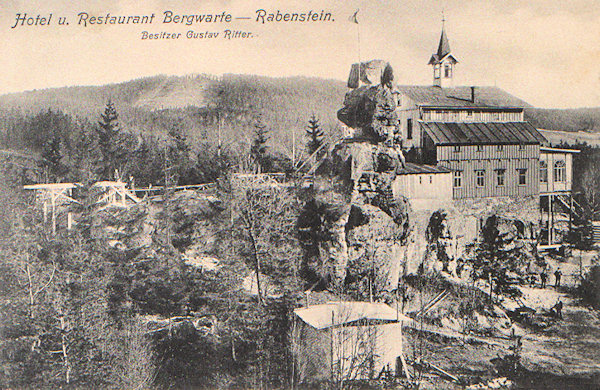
345,341
424,185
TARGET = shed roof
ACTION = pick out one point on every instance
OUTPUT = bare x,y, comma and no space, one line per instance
558,150
481,133
339,313
415,169
51,186
485,97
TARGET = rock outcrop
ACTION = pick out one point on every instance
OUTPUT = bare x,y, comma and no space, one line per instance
353,226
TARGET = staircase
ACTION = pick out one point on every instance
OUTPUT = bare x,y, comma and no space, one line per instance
596,231
574,207
312,163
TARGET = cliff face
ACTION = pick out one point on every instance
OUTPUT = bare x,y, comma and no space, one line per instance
357,228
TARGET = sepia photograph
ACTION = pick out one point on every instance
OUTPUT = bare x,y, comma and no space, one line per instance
317,194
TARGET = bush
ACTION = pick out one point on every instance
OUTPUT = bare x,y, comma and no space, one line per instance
589,290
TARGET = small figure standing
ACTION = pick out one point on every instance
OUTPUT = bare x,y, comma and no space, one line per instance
557,275
557,309
543,278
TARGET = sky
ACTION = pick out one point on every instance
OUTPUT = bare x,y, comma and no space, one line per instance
546,52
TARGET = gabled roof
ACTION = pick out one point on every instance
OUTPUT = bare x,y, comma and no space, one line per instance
340,313
485,97
436,59
475,133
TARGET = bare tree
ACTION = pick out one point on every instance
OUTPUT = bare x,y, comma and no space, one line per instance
267,213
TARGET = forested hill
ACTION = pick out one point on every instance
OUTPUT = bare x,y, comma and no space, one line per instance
201,104
196,102
575,119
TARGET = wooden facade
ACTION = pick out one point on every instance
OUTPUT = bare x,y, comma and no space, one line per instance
556,170
410,113
424,186
472,115
482,171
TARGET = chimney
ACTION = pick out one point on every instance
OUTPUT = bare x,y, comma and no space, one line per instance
473,94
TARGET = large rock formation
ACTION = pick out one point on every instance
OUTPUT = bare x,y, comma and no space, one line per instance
371,110
353,226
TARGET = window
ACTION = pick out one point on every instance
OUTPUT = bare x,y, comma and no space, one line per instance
560,171
500,148
457,176
480,148
436,71
479,177
430,179
469,114
456,148
409,129
522,176
500,177
448,70
521,147
543,171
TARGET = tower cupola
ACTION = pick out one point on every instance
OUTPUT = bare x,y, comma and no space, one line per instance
443,62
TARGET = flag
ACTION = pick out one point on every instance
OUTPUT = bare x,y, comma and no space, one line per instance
354,17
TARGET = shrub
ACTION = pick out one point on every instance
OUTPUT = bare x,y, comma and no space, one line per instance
589,290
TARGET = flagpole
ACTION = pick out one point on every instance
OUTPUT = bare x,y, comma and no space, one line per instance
358,42
359,63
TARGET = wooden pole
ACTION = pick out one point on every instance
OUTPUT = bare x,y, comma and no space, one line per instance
570,211
293,148
53,213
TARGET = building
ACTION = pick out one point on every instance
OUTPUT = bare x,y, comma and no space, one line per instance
499,162
342,341
556,197
424,185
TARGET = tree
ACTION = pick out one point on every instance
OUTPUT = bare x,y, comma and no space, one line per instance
258,151
315,135
590,184
589,289
496,255
85,159
51,157
266,221
114,144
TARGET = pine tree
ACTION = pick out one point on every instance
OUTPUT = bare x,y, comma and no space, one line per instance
315,134
109,139
85,161
51,156
258,151
497,255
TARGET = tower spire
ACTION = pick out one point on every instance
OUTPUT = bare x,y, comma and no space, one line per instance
442,61
444,45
